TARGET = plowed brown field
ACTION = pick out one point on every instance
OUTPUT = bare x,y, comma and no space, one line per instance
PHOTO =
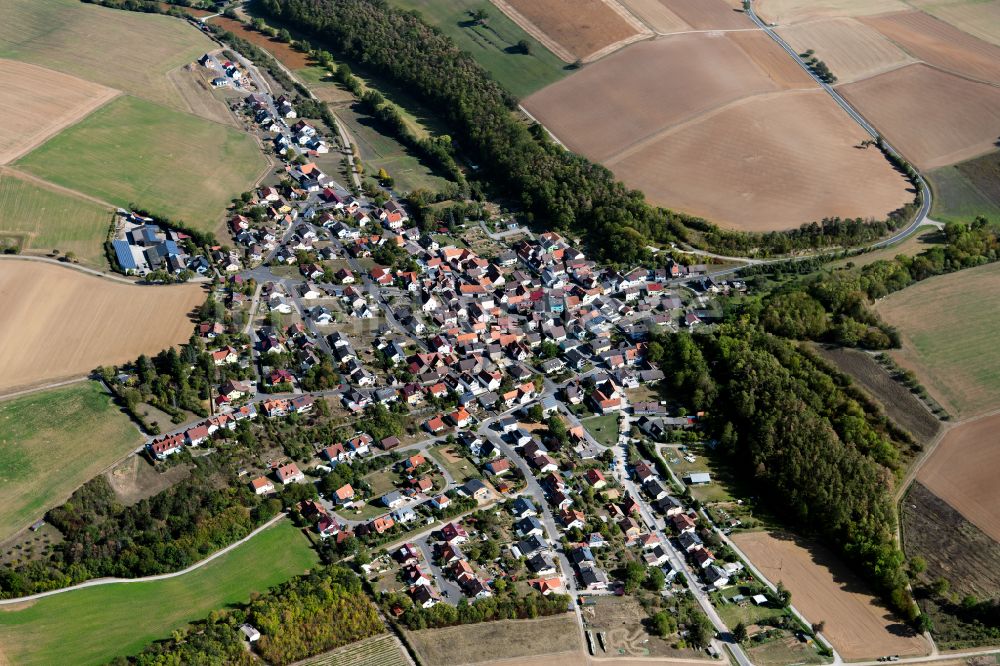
980,19
284,53
824,590
784,12
963,472
656,15
38,102
933,117
59,322
581,27
709,14
614,103
767,163
852,50
941,45
772,60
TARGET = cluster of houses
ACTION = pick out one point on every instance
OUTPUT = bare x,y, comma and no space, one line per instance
141,246
229,73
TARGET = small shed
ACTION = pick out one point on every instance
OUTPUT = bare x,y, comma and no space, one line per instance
759,599
698,478
250,632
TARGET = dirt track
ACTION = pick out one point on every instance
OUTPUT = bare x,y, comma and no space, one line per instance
61,323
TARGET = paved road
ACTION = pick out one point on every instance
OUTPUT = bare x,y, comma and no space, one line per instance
148,579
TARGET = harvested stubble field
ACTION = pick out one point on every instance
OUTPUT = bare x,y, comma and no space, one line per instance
73,37
899,403
709,14
476,643
784,12
129,616
962,471
698,72
823,589
37,103
932,117
135,152
52,442
656,15
767,163
948,327
775,64
954,548
940,44
574,29
47,219
851,49
59,322
980,18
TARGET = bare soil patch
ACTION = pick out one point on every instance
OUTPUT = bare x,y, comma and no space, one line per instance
477,643
767,163
823,589
580,27
696,72
61,323
784,12
621,619
135,479
709,14
656,15
954,548
784,72
962,471
38,102
899,403
850,48
933,117
939,44
193,87
283,52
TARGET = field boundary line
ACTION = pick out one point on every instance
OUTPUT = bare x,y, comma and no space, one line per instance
642,31
533,30
75,267
147,579
43,387
28,177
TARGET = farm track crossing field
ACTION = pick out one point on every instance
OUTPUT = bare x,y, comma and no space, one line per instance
962,471
578,28
38,102
128,616
493,44
699,72
851,49
734,168
656,15
948,326
932,117
940,44
135,152
51,443
954,548
824,589
46,219
484,642
784,12
59,322
968,189
377,651
899,403
72,37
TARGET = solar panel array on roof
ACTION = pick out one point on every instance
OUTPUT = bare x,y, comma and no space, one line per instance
124,255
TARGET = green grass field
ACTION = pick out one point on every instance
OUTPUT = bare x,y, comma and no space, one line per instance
520,74
45,219
379,151
92,626
603,428
948,326
460,470
134,151
968,189
52,442
128,51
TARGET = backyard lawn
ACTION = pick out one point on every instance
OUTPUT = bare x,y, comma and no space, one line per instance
603,428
